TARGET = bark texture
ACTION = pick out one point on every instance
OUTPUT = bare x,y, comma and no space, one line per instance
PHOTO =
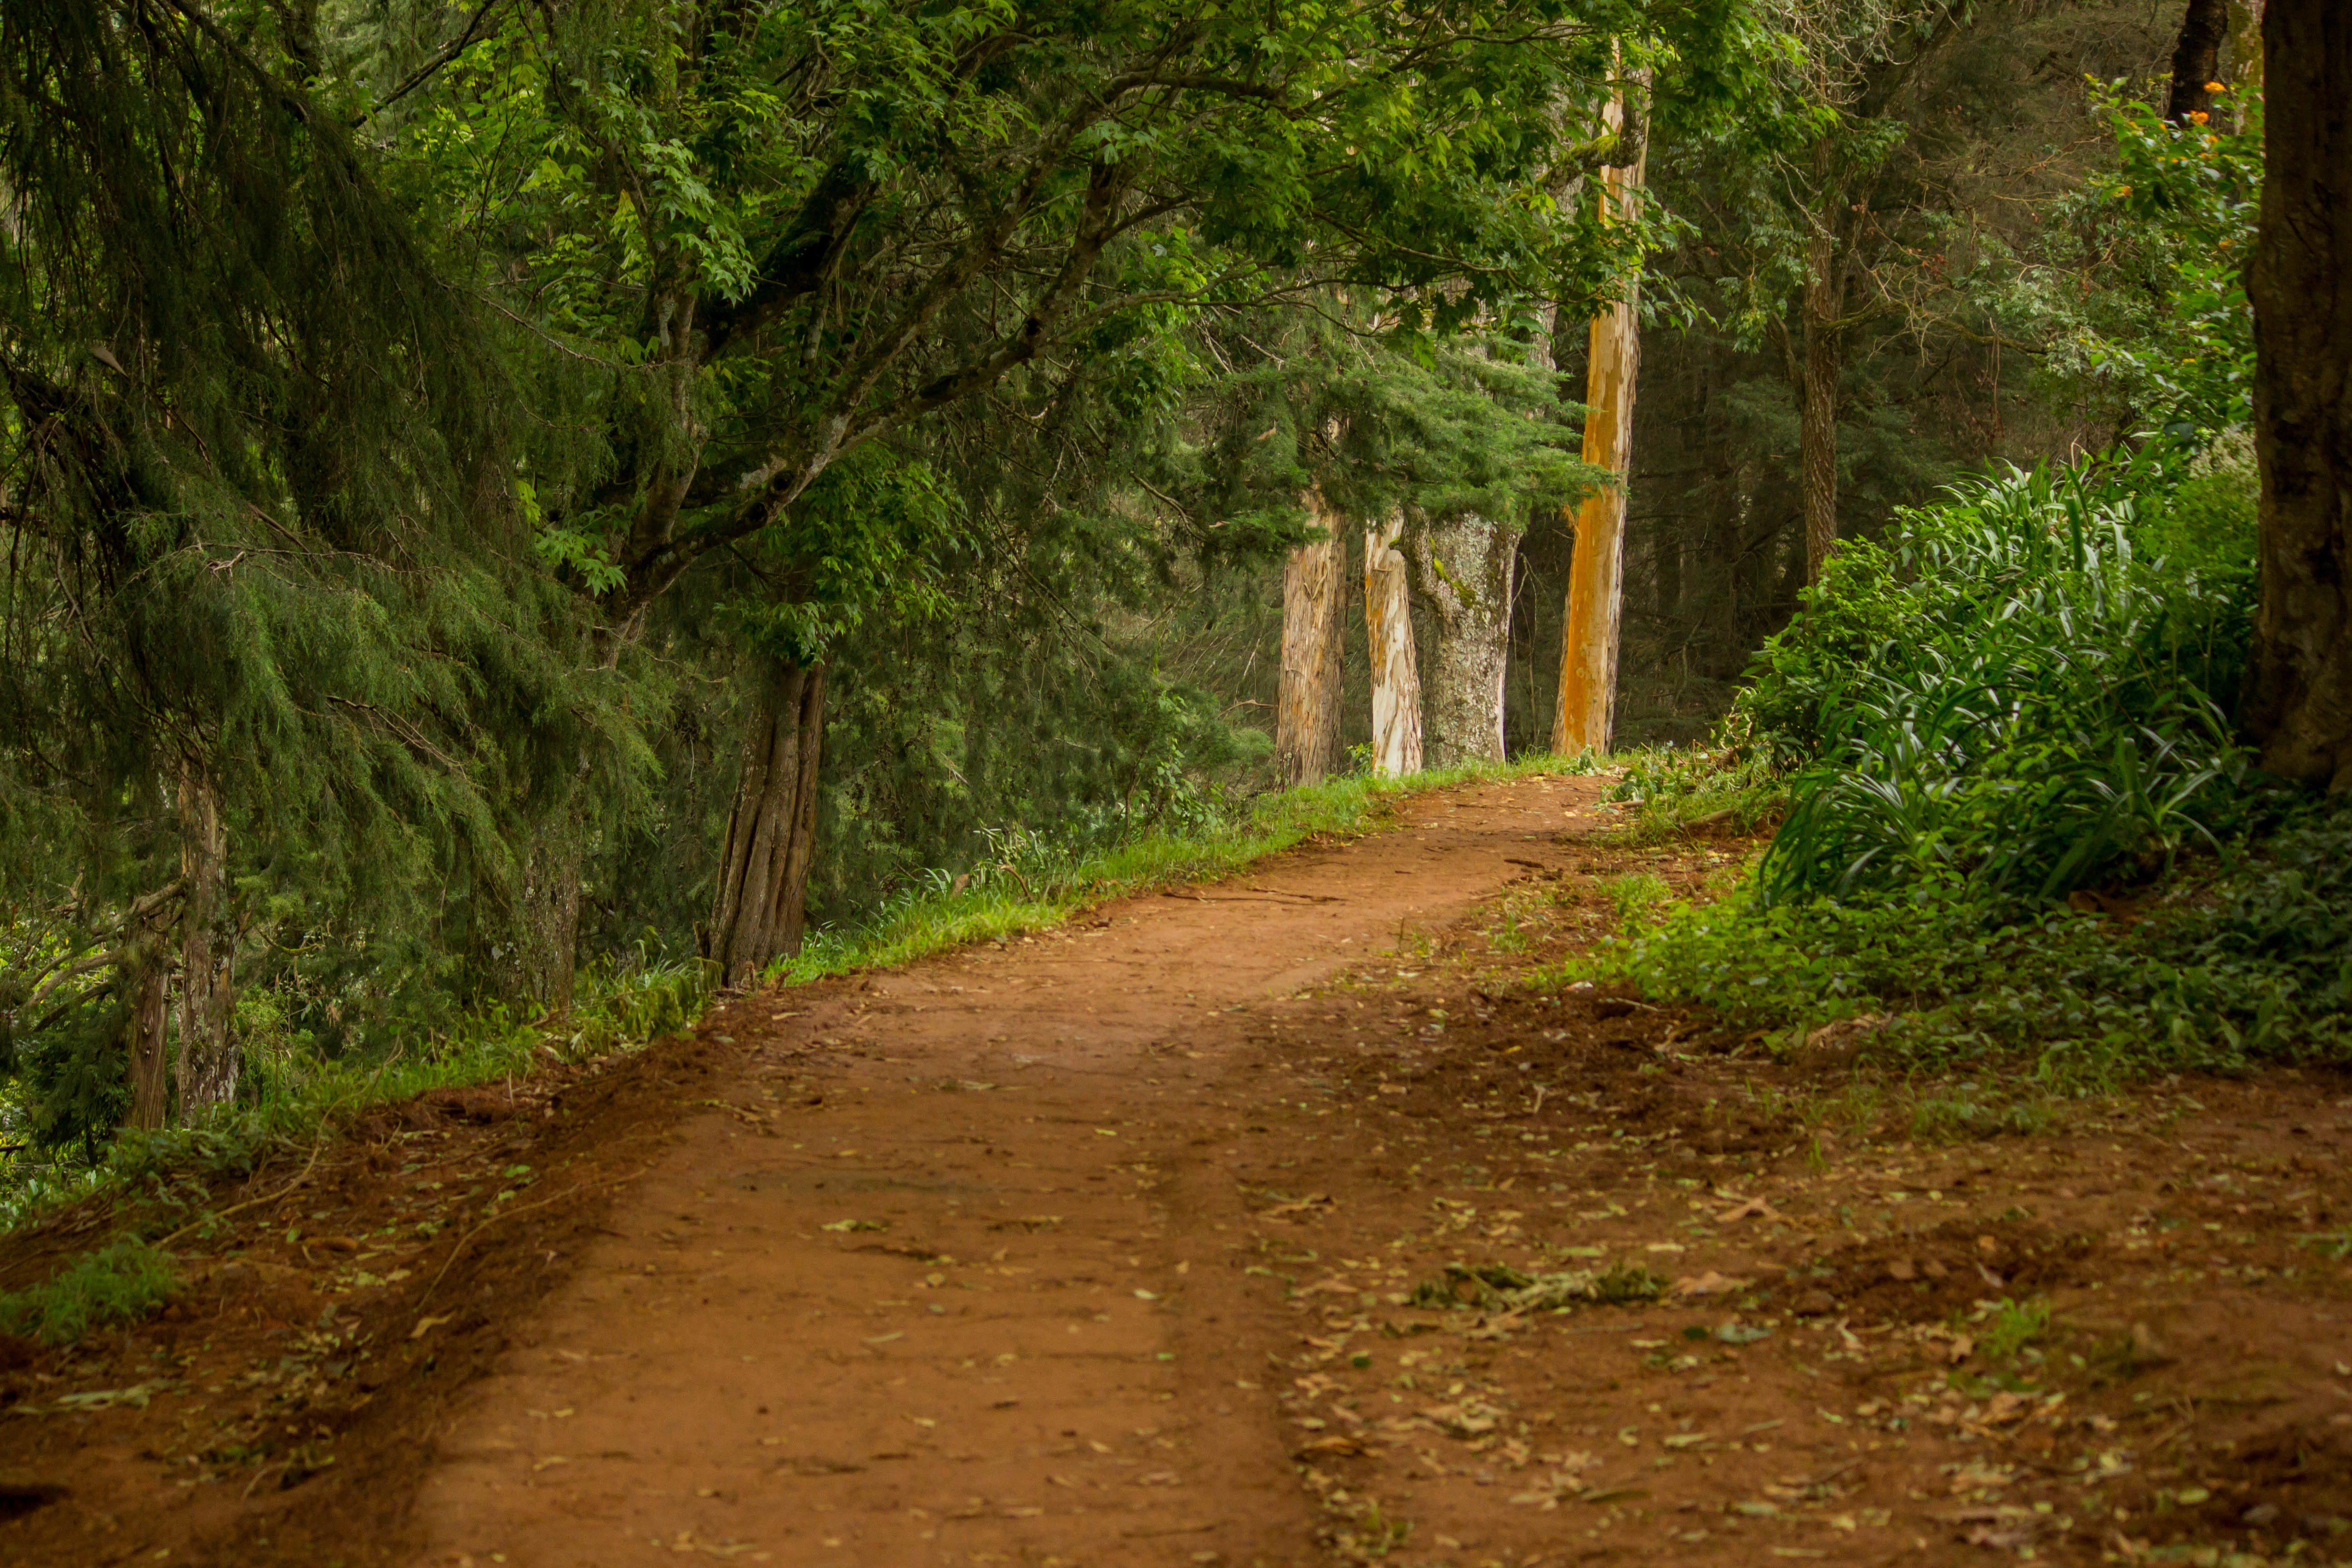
1818,396
208,1062
2196,58
759,912
146,1050
2300,709
545,931
1396,674
1306,707
1586,711
1463,567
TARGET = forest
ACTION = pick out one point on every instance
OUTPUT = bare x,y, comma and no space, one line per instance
517,511
529,527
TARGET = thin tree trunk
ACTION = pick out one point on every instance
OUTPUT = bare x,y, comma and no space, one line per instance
761,907
1463,567
1817,430
1584,715
1306,707
2300,708
2196,58
208,1057
1396,675
145,1048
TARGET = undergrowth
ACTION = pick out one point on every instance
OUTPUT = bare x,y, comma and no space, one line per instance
119,1283
2013,822
291,1098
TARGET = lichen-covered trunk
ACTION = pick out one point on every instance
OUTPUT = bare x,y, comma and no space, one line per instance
1396,675
2300,706
208,1055
761,907
1307,705
1586,712
1463,566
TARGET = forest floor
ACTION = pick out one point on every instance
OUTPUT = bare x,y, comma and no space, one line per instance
1252,1225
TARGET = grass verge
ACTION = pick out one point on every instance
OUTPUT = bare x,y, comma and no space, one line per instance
1042,884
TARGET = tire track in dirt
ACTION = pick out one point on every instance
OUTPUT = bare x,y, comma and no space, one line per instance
954,1270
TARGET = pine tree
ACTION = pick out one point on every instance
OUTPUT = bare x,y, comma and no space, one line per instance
260,545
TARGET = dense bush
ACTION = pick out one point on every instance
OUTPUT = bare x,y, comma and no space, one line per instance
2024,694
2028,688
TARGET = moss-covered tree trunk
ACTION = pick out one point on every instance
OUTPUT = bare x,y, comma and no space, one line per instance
545,931
1463,565
761,907
208,1055
2301,706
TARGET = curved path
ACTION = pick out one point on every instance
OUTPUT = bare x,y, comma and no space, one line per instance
954,1274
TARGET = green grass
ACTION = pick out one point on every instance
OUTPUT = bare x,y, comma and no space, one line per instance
119,1283
1042,884
293,1098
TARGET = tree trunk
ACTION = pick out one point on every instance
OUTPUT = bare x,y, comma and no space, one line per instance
2196,58
1818,393
146,1051
1585,713
2245,76
1396,676
1463,567
546,928
1306,707
208,1056
2300,709
761,903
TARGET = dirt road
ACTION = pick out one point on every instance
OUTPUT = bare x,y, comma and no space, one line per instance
1282,1223
959,1273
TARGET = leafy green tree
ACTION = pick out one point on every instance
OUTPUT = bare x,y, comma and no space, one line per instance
766,237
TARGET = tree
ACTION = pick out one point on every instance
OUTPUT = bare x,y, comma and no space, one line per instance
1395,671
1583,720
781,234
256,606
2197,60
2300,708
1306,716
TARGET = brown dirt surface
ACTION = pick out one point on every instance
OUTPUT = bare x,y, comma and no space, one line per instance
1283,1221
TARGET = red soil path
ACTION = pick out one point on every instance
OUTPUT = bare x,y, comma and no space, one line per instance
1187,1235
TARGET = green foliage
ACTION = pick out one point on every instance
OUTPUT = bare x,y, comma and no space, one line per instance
2012,1326
2024,694
2160,331
119,1283
2013,696
2213,974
